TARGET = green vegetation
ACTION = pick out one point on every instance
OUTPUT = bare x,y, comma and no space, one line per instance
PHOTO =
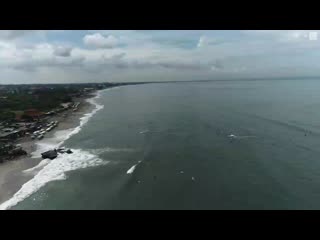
6,115
42,100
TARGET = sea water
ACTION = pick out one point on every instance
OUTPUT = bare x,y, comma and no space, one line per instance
215,145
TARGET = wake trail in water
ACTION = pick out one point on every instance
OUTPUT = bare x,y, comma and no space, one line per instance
142,132
232,136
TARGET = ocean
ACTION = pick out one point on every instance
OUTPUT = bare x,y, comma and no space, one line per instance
245,144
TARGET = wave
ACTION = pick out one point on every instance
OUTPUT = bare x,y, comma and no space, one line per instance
131,170
142,132
56,169
240,137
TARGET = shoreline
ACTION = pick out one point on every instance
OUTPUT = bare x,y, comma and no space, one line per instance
12,175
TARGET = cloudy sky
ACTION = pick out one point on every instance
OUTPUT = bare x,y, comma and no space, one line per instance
98,56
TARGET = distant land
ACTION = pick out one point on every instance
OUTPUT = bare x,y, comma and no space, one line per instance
107,84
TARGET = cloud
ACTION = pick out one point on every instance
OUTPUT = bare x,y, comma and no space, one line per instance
38,56
97,40
282,35
12,34
116,61
123,61
202,41
154,54
206,41
182,65
118,56
53,62
217,65
62,51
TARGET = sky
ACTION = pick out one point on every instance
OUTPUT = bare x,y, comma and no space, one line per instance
68,56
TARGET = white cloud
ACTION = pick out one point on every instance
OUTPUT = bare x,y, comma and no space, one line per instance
209,54
99,41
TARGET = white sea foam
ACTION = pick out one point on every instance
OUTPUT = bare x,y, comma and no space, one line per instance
239,137
131,170
56,169
142,132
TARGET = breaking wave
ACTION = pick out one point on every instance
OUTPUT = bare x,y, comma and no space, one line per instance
131,170
55,170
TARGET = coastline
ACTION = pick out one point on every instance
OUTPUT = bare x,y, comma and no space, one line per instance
12,175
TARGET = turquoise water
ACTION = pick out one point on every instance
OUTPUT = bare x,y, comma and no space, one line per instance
176,135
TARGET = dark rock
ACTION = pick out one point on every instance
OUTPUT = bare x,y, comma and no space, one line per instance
52,154
69,151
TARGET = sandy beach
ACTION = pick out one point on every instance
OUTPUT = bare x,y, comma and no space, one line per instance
12,176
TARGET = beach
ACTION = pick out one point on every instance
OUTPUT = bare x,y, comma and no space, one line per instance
12,175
